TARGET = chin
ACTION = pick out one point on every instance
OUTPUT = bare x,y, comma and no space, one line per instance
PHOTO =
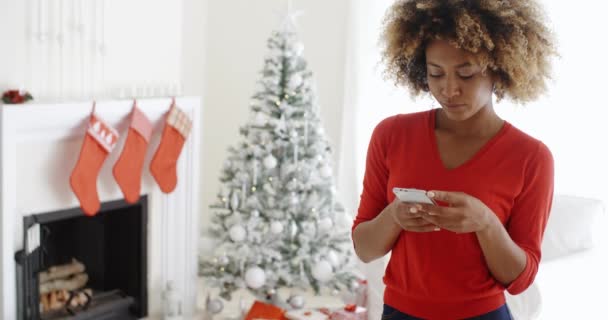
458,114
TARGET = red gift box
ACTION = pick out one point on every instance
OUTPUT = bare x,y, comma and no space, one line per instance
261,310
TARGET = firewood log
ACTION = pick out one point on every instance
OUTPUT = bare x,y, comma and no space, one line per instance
74,282
61,271
44,303
54,302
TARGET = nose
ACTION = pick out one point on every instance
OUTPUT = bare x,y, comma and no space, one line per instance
450,88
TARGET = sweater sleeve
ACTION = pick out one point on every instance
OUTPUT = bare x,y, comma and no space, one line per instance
373,198
529,215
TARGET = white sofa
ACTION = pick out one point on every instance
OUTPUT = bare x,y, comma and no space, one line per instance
573,273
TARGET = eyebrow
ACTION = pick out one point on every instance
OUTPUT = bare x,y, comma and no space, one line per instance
466,64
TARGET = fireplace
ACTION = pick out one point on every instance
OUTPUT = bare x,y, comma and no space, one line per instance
111,247
39,147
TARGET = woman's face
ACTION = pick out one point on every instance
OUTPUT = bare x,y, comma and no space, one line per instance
456,81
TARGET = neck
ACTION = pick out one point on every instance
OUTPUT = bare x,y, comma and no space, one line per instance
483,123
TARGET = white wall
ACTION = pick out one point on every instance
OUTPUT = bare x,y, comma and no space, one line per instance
213,48
13,48
142,39
236,33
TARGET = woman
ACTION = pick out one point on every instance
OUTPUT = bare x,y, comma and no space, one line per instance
493,183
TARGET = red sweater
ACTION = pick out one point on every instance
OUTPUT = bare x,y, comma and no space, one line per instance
444,275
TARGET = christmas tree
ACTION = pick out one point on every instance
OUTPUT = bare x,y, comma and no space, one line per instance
277,219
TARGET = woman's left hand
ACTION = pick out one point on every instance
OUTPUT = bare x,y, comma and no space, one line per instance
465,213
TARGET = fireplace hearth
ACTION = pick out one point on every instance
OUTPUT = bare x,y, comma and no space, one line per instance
40,147
100,260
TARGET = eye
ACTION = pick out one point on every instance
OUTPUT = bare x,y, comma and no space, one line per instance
466,77
436,75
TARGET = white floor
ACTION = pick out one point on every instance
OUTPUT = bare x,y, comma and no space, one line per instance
232,310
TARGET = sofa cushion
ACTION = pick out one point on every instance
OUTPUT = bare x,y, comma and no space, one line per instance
572,226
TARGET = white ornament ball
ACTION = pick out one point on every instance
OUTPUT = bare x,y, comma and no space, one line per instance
255,277
297,302
298,48
333,258
215,306
270,162
260,119
276,227
326,171
308,229
255,213
237,233
293,134
325,224
223,260
295,81
227,164
294,199
322,271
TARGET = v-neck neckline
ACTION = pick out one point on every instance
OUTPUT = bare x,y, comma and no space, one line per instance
478,154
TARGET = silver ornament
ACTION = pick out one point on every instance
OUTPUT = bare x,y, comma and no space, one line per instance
326,171
270,162
297,302
223,260
255,277
294,199
333,258
237,233
276,227
214,306
234,201
322,271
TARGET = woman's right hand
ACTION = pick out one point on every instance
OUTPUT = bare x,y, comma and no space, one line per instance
407,216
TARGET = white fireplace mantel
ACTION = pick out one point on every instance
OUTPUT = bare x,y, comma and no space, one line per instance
39,146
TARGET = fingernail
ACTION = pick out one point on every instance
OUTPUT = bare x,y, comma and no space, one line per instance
413,210
437,229
431,194
432,214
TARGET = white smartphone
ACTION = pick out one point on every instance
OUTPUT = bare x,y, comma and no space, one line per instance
413,195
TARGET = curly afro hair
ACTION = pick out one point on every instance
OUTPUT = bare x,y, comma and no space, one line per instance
507,37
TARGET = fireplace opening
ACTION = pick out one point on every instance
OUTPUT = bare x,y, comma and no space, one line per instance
85,268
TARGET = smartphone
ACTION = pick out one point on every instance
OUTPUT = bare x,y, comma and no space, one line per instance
413,195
